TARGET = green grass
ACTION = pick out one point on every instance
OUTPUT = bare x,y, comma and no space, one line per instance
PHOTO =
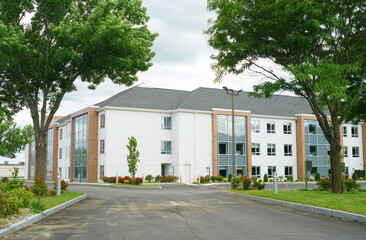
354,202
51,202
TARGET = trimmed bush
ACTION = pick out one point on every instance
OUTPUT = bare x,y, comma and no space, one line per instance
265,177
105,179
137,181
246,182
230,177
324,184
149,178
235,182
39,187
290,178
354,175
317,176
157,178
352,185
311,179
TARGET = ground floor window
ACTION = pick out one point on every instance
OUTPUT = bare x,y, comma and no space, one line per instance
271,171
101,171
256,171
288,171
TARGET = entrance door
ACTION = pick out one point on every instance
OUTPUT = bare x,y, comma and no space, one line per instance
186,173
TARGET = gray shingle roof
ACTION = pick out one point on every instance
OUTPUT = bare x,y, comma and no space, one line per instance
205,99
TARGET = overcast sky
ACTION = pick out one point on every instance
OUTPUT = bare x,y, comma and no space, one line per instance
182,58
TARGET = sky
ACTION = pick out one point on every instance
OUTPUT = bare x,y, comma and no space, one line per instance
182,59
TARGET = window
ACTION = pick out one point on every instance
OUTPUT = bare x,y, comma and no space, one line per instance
102,121
345,151
271,149
287,128
256,149
288,171
288,150
102,146
256,171
355,152
166,123
345,131
354,131
60,153
346,172
271,127
222,148
166,147
61,130
255,126
240,149
60,171
271,170
313,150
312,128
314,170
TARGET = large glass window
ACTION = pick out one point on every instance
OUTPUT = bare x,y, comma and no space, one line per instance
287,128
256,149
313,151
80,149
271,149
49,160
256,171
287,150
166,123
166,147
271,127
271,170
255,126
354,131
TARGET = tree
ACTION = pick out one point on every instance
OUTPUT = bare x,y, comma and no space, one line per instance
12,138
133,156
321,44
66,40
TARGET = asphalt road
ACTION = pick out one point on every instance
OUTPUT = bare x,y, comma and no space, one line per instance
183,212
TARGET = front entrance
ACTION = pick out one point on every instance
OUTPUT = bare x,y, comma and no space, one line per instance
186,173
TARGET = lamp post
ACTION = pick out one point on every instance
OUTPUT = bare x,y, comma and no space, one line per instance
233,93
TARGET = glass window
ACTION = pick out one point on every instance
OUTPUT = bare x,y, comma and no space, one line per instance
271,170
222,148
271,149
288,150
256,149
355,152
102,146
240,149
255,126
166,147
313,150
61,130
102,121
344,131
60,153
345,151
354,131
80,141
312,128
256,171
288,171
314,170
166,123
287,128
271,127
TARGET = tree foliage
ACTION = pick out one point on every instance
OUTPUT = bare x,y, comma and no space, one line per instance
321,44
12,138
133,156
66,40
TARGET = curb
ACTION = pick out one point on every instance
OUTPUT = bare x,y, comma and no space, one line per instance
36,217
113,186
303,207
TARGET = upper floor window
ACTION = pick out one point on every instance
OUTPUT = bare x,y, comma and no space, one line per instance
344,131
287,128
102,121
60,153
271,127
354,131
345,151
166,147
271,149
256,149
222,148
166,123
355,152
288,150
61,130
255,126
313,150
312,128
240,148
102,146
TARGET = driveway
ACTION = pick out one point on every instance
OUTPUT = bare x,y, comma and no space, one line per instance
183,212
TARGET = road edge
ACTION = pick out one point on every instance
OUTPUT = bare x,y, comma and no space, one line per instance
36,217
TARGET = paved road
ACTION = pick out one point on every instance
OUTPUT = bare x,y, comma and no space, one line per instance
183,212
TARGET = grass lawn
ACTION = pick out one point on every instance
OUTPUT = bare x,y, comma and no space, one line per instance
51,202
354,202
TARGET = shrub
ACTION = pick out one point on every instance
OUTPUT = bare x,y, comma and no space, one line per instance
354,175
246,182
137,181
230,177
110,179
105,179
213,178
360,173
352,185
258,183
311,179
260,180
317,176
121,180
64,185
220,178
157,178
126,181
39,188
235,182
24,195
51,193
225,179
290,178
265,177
149,178
360,178
324,184
350,178
281,178
9,203
271,179
37,206
4,180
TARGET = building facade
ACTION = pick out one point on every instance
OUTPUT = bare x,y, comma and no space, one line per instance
189,134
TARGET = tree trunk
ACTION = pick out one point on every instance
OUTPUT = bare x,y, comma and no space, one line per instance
335,151
41,155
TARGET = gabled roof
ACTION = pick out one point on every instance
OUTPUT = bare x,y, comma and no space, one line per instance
205,99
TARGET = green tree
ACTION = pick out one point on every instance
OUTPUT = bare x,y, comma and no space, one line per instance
12,138
133,156
321,44
66,40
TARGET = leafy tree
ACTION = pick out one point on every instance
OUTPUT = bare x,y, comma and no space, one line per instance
321,44
133,156
12,138
66,40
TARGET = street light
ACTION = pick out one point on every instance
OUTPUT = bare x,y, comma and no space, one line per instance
233,93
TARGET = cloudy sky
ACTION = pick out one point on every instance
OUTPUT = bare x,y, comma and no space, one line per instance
182,58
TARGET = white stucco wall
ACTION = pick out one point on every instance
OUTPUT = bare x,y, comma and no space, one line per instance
353,163
64,144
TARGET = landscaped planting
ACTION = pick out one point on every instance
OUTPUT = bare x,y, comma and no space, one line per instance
246,183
